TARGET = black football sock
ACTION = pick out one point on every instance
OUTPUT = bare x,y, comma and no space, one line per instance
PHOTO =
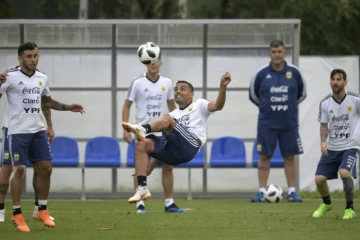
147,128
348,184
141,180
327,200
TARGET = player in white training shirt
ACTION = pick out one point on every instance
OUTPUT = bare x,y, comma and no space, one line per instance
153,95
7,168
29,128
183,132
339,115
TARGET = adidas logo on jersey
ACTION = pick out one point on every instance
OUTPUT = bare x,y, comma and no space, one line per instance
331,111
146,90
268,76
21,83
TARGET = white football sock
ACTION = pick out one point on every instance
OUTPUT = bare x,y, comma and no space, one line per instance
291,189
168,202
262,190
42,202
140,203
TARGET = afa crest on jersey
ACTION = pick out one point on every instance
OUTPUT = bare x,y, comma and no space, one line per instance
288,74
6,155
259,148
163,89
190,109
16,157
349,109
40,83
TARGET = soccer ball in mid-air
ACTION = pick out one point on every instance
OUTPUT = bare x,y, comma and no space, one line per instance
273,193
149,53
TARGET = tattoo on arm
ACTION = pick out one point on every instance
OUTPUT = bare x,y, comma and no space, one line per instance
58,105
46,108
4,188
324,132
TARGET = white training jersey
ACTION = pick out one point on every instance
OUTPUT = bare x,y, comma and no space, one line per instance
24,101
150,97
342,118
194,118
6,112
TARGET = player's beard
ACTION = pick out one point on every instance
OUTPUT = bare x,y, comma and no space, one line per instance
337,89
30,67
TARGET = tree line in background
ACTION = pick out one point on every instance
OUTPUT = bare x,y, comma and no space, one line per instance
328,27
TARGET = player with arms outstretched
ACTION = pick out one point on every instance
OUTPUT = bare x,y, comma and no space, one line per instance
183,133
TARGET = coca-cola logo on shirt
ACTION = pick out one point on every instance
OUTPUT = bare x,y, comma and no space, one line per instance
34,90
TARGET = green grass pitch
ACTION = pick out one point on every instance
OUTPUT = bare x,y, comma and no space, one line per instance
212,219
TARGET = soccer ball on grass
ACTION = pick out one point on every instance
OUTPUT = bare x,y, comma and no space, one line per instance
273,193
149,53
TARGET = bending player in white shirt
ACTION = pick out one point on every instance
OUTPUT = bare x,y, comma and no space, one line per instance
7,169
339,131
153,95
183,133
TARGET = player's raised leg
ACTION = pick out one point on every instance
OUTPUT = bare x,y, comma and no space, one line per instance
165,122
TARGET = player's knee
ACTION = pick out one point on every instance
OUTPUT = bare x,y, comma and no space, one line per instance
44,168
344,173
169,120
145,146
167,168
264,159
18,172
140,146
319,179
289,158
35,167
6,171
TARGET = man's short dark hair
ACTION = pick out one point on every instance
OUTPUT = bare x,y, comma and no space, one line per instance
336,71
189,84
276,43
26,46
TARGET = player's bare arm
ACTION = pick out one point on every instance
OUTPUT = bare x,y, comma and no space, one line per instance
125,118
220,101
46,109
171,105
55,105
324,133
3,77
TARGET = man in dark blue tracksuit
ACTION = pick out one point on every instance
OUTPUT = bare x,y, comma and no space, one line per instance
277,89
